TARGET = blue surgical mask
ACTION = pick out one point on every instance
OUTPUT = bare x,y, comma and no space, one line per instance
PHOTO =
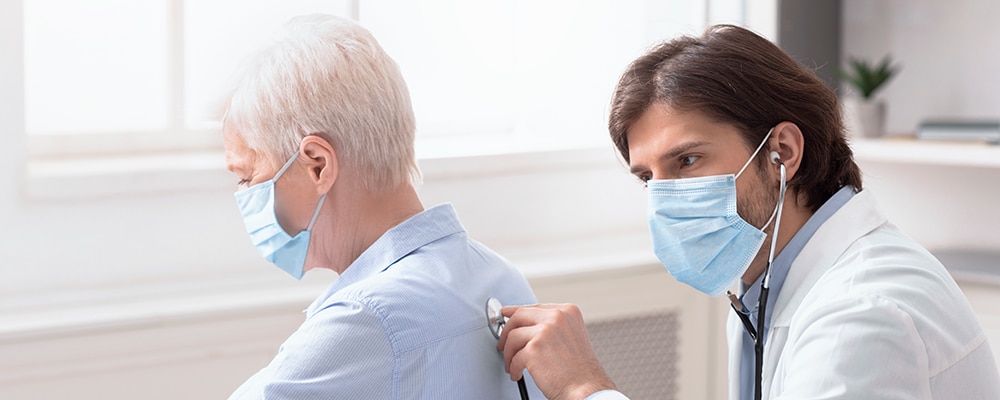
256,203
697,233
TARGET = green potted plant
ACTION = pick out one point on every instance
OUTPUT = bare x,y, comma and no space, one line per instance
865,114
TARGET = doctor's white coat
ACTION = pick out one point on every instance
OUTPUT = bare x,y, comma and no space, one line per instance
867,313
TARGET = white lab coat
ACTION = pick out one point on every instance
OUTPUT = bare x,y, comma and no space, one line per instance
867,313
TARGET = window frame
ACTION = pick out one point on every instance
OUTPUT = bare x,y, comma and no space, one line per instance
55,166
177,136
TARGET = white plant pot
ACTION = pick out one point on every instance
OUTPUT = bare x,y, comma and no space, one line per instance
864,118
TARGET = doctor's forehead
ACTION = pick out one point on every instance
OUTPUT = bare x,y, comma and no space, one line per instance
661,129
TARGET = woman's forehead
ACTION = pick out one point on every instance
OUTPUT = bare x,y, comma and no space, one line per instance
239,154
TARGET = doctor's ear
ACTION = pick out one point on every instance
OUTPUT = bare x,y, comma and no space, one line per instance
785,146
321,161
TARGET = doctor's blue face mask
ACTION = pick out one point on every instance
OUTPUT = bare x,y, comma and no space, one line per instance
697,233
256,204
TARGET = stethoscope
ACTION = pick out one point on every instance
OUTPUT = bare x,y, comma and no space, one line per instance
758,339
495,321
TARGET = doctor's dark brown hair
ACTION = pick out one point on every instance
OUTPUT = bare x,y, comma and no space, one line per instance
734,76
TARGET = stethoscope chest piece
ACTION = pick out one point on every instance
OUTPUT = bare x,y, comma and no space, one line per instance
494,319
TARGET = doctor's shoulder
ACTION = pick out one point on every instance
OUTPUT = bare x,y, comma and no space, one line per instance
889,265
890,294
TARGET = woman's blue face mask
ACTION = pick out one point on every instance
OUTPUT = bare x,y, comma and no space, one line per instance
256,204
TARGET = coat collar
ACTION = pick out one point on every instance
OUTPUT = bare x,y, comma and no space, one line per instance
854,220
857,218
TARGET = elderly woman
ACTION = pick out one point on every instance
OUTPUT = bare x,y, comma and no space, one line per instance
320,134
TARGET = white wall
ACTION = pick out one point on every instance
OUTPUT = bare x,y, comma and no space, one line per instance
942,207
11,117
947,50
950,67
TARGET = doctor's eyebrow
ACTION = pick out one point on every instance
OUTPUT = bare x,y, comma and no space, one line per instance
675,152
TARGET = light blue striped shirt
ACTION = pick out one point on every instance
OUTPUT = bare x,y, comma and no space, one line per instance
405,321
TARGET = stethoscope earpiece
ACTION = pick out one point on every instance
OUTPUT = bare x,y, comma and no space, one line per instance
775,157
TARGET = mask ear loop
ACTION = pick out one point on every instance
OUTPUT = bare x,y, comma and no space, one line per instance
321,199
285,167
752,156
775,158
316,213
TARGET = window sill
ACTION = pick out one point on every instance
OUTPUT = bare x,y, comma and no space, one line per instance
129,308
112,176
98,177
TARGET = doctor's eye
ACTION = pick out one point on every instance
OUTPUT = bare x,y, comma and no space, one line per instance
644,180
242,182
688,160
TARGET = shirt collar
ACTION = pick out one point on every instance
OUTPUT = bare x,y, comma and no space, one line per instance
399,241
783,261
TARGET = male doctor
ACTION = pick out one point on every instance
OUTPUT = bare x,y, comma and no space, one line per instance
752,186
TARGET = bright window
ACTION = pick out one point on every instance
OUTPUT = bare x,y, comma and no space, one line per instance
539,71
114,76
96,66
117,75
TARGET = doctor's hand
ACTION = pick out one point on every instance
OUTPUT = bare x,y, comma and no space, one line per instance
551,342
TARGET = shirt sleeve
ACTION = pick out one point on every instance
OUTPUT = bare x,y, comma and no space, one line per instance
607,395
341,352
856,348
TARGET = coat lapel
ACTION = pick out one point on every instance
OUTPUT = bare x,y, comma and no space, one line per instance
855,219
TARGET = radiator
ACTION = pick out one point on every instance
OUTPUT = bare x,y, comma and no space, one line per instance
639,353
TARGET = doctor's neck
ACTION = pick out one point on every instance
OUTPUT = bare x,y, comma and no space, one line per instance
793,216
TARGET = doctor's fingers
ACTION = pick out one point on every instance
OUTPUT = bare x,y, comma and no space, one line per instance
508,311
515,353
519,316
548,330
552,344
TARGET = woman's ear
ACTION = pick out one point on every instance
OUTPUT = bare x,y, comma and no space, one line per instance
787,141
321,161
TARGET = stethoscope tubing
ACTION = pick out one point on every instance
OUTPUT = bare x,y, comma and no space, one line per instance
522,388
495,322
757,336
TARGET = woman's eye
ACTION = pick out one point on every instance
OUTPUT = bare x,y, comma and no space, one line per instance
243,182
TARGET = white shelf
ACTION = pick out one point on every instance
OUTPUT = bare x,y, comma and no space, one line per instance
912,151
974,266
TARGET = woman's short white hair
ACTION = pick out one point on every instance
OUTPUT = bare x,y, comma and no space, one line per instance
328,76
